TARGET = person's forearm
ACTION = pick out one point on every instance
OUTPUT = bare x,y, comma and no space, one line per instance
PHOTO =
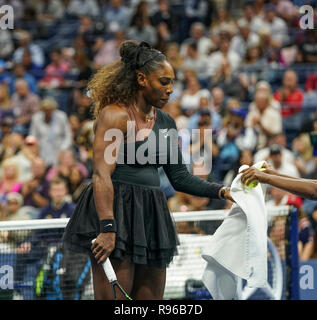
302,187
103,194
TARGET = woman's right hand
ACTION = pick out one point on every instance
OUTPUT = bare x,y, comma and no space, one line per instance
103,246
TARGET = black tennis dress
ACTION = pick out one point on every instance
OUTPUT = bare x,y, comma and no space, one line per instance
146,233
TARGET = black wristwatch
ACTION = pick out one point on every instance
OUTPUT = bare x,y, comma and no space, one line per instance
222,193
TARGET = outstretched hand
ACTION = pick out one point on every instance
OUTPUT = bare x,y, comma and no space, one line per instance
252,173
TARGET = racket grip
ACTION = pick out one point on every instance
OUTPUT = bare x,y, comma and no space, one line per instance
107,267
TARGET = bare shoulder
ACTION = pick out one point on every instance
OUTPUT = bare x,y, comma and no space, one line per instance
113,116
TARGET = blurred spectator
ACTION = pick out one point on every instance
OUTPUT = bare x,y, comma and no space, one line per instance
5,101
82,7
305,229
59,206
290,97
11,210
24,43
19,72
280,139
11,142
77,183
254,67
6,125
140,30
174,58
264,118
50,126
10,178
81,105
202,147
191,96
249,17
164,14
265,87
49,11
30,67
66,161
24,104
276,26
55,72
205,106
311,82
193,60
307,47
218,101
35,190
232,138
82,69
244,39
29,151
276,160
223,22
216,59
245,158
303,151
163,37
117,16
108,51
197,35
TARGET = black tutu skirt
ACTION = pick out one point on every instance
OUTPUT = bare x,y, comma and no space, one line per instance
146,233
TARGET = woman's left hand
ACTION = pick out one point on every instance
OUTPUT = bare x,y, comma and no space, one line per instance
252,174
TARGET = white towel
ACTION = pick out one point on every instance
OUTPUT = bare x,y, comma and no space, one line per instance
239,246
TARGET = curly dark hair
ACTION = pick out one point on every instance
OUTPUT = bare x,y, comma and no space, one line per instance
117,82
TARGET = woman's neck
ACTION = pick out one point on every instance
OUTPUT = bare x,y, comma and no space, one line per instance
144,109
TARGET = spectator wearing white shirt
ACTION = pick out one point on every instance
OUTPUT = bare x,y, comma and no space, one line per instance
277,27
197,35
215,60
250,18
193,60
24,43
282,167
117,16
264,118
244,39
52,130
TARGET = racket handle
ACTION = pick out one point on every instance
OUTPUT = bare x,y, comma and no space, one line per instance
107,267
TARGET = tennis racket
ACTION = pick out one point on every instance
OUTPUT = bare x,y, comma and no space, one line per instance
112,278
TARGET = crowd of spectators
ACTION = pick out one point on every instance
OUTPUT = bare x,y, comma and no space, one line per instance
244,69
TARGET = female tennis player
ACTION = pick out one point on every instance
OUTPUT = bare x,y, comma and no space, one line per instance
302,187
124,207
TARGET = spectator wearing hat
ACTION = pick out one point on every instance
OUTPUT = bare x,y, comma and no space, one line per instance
12,210
282,167
51,128
24,104
29,151
264,118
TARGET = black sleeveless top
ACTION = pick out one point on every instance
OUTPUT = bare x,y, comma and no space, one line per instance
138,161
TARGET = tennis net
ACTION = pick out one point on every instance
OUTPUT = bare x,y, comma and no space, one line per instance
33,264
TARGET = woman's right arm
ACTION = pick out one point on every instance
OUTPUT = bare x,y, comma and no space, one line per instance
111,117
302,187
